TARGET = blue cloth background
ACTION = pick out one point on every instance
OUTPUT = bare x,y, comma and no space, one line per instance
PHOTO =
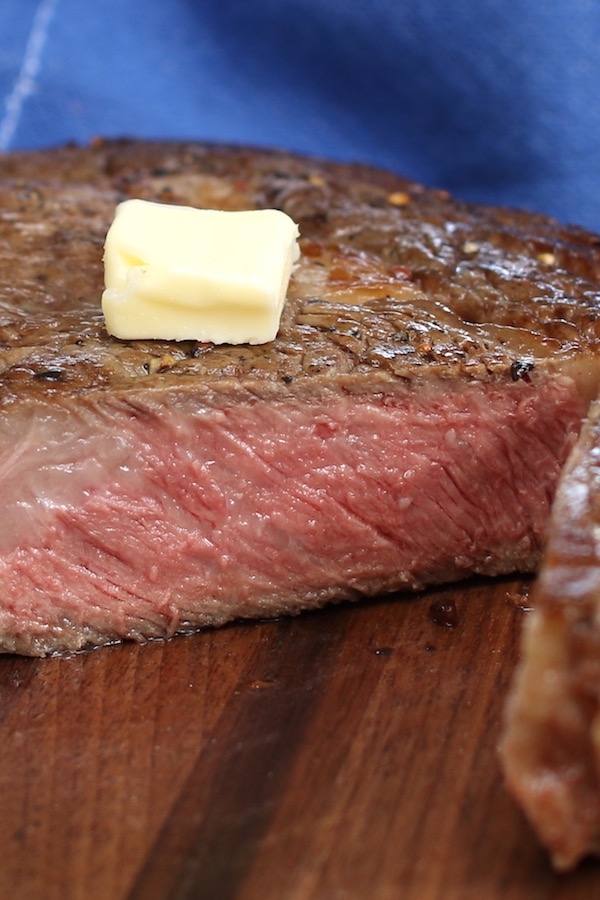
496,100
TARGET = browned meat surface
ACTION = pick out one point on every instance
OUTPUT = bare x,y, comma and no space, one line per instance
408,426
551,748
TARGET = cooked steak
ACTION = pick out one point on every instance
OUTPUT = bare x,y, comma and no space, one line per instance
551,747
408,425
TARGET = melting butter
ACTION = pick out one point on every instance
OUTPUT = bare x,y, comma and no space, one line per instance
181,273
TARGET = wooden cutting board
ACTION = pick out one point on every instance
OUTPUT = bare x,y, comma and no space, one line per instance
349,753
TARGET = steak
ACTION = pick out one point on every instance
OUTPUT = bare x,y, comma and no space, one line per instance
551,746
407,427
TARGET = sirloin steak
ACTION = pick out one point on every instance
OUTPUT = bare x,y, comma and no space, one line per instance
407,427
551,746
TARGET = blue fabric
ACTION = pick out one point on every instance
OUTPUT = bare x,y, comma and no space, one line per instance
497,101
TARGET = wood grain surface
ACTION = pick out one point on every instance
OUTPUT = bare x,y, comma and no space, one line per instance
349,753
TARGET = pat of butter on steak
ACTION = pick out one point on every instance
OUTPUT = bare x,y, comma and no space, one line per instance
179,273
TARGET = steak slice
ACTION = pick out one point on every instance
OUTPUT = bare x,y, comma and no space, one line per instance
407,427
551,746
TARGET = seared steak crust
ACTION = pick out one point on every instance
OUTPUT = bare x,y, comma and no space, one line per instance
407,426
551,747
394,277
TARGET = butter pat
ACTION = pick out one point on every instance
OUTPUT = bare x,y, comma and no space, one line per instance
180,273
